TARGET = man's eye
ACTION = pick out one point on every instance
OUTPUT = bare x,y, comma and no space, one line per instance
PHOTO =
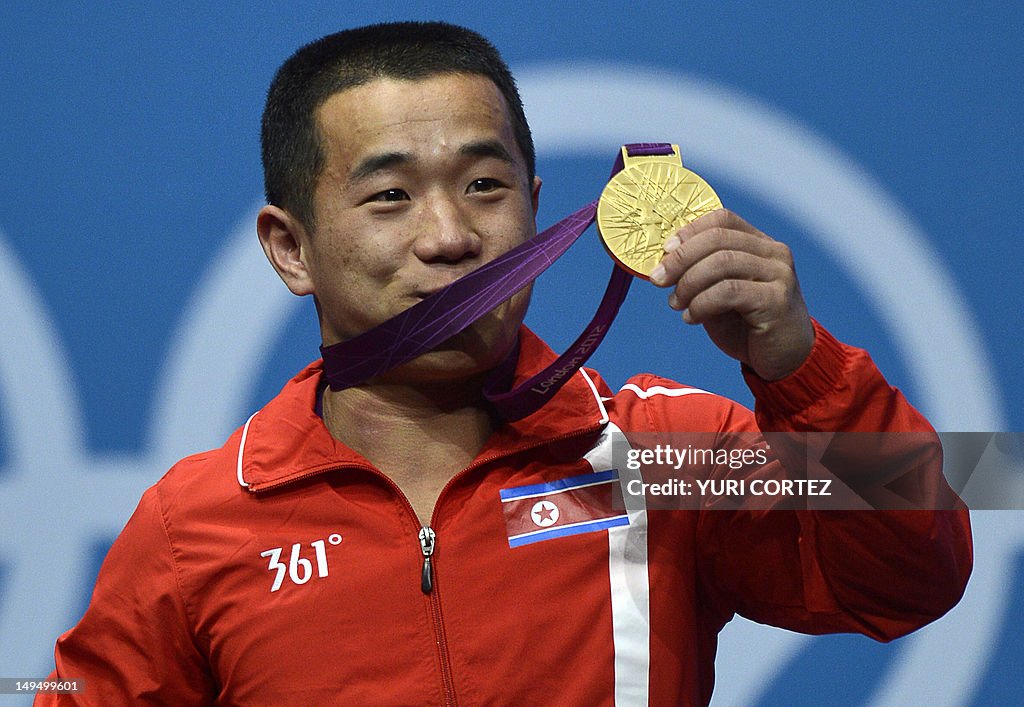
483,185
390,195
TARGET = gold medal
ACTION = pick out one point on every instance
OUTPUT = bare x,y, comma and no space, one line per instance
645,203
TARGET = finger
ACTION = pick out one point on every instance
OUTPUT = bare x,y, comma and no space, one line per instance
719,218
754,301
725,265
701,245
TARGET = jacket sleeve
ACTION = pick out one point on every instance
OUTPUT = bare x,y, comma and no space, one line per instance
133,644
883,573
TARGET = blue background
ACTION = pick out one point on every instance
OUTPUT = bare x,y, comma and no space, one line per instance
130,154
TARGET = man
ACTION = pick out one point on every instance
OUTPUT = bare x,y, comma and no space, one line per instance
355,546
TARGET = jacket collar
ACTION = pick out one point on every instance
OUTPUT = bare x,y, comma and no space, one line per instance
287,441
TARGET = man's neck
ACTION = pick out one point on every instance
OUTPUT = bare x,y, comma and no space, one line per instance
419,436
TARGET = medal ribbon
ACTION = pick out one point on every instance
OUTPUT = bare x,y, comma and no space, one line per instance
448,311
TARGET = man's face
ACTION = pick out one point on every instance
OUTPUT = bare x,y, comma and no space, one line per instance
423,183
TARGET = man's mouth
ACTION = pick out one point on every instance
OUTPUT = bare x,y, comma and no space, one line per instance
425,292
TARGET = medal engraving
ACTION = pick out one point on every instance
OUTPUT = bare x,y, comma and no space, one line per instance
646,203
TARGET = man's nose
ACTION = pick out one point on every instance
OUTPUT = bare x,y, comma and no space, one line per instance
446,234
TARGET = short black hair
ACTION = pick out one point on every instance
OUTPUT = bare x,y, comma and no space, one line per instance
293,155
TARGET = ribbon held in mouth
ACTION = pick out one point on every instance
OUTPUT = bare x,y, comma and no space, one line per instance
644,206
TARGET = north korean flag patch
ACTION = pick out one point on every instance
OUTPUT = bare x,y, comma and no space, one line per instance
570,506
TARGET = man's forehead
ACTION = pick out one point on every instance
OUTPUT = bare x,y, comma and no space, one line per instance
412,116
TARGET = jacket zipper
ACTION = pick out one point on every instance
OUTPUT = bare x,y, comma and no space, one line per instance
428,542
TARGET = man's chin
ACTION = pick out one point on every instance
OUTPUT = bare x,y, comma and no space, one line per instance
454,359
470,354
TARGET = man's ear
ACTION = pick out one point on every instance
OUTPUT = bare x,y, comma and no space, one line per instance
283,238
535,195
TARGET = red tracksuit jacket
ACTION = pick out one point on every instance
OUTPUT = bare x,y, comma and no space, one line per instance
284,569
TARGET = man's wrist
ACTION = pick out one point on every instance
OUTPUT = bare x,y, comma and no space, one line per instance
820,374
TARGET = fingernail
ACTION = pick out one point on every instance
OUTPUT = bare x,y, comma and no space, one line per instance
673,301
671,244
658,274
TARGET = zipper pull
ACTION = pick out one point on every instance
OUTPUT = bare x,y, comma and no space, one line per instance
427,542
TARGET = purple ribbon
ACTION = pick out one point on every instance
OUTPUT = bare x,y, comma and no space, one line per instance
448,311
